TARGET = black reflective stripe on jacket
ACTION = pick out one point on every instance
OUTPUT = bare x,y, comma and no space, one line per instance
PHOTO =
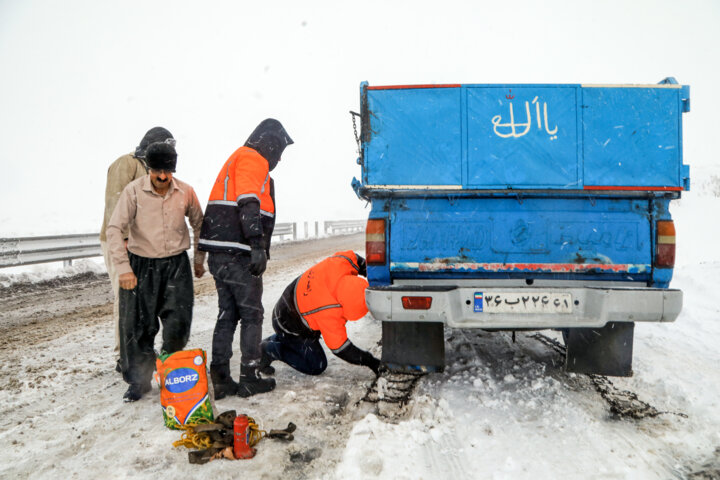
226,225
287,317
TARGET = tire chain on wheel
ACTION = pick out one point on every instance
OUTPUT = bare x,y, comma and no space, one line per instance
623,403
399,389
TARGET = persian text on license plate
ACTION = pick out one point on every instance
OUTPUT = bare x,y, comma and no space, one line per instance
510,302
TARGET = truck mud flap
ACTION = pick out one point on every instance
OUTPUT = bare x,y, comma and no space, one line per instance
413,346
601,351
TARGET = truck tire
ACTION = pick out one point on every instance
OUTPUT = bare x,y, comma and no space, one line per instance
600,351
413,346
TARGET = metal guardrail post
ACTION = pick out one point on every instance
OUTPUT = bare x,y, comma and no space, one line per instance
345,226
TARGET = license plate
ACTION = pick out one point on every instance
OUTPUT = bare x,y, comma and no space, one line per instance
511,302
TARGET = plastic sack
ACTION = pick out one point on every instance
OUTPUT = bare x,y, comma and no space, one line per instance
184,394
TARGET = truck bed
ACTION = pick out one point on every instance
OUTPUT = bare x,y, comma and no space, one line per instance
566,137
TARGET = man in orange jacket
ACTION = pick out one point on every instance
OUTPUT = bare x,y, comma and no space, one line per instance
236,231
318,304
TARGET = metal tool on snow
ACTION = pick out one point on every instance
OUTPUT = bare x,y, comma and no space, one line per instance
230,436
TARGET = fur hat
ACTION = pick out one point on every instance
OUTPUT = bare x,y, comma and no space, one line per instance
155,134
161,156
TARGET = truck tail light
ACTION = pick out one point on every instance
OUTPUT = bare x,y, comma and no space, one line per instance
416,303
665,244
375,241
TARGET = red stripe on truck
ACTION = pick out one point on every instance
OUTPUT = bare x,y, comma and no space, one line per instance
523,267
624,188
401,87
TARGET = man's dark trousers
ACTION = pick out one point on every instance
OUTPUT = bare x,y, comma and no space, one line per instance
293,342
164,291
239,299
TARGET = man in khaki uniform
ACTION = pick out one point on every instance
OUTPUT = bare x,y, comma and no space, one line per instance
121,172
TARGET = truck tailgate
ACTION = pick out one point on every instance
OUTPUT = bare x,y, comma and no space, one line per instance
486,237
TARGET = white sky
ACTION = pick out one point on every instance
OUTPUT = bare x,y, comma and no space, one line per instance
81,82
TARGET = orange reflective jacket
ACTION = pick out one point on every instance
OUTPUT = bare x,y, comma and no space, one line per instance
326,298
244,177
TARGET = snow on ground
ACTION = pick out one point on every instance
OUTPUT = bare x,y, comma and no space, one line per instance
501,410
62,415
505,411
49,271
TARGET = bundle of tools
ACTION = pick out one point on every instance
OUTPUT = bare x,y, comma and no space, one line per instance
230,436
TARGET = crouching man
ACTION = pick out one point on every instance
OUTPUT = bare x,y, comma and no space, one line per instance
318,304
154,270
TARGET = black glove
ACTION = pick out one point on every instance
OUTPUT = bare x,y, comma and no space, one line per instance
258,260
362,265
371,362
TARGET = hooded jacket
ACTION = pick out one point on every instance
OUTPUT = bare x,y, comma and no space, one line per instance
240,213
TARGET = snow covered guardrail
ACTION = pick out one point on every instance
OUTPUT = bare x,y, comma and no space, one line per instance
29,250
65,248
344,226
285,229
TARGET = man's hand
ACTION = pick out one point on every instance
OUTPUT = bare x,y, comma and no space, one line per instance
377,367
199,270
127,281
258,260
372,363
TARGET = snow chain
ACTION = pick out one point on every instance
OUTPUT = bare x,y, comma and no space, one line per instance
392,391
357,138
623,403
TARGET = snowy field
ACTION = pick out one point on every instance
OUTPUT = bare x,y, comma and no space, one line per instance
501,410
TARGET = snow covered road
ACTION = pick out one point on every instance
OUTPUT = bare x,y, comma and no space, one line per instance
501,410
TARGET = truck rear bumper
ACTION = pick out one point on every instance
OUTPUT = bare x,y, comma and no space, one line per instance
527,307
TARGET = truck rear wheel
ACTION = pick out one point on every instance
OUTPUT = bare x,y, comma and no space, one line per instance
600,351
413,346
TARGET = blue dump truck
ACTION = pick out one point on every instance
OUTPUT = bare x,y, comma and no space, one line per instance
521,207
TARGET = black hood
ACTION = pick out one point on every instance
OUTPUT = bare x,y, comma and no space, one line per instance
269,139
155,134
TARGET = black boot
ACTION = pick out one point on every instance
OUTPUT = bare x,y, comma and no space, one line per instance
251,383
135,392
223,384
265,368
